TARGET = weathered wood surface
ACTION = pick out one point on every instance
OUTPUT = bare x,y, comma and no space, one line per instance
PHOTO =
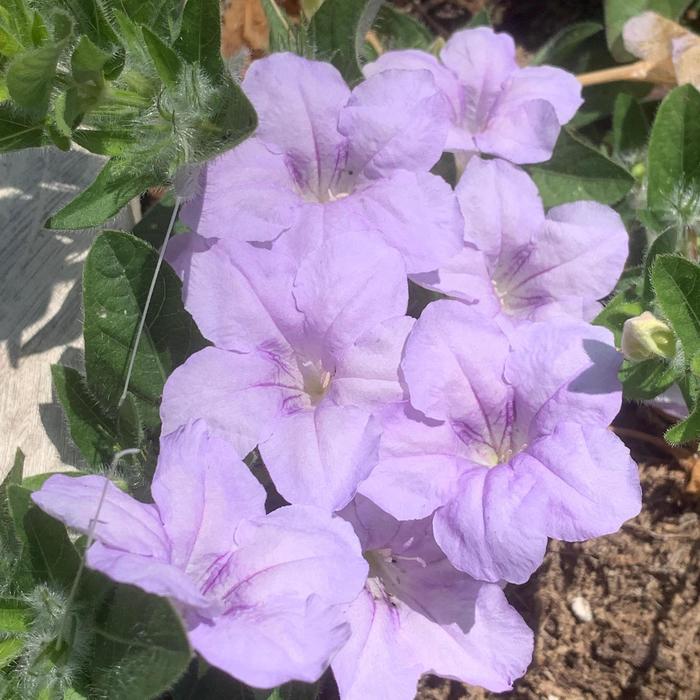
40,317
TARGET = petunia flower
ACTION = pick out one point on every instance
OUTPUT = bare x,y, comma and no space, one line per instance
303,356
417,614
505,439
262,595
498,108
520,262
326,159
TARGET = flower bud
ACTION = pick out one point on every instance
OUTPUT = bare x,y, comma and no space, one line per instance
645,337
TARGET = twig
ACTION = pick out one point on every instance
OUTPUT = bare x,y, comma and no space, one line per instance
641,71
374,42
676,452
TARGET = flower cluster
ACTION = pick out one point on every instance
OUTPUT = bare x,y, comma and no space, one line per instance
424,462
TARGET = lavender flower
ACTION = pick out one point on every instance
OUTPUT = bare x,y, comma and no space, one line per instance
519,262
262,595
304,354
507,441
497,108
325,159
417,615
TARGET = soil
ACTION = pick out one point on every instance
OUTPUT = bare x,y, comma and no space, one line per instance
643,588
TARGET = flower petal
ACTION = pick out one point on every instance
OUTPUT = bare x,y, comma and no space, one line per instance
120,521
563,370
592,483
345,289
202,491
298,102
367,372
319,456
415,213
396,119
245,194
495,526
238,395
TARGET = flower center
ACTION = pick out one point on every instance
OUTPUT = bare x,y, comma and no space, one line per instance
316,380
386,571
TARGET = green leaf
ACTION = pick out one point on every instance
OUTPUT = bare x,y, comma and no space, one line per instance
622,306
661,245
338,31
166,61
140,647
10,43
14,616
47,548
155,221
398,30
560,49
200,37
104,142
116,278
162,16
674,155
482,18
18,131
31,76
15,27
10,649
578,171
88,61
284,35
643,381
677,285
630,125
92,429
685,431
118,183
618,12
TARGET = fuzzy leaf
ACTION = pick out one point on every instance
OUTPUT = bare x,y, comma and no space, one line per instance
578,171
338,31
674,155
622,306
677,285
200,37
14,616
17,131
642,381
140,648
687,430
116,278
118,182
31,75
558,51
663,244
166,61
398,30
92,429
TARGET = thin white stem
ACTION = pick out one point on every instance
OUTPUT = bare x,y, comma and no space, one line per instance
142,322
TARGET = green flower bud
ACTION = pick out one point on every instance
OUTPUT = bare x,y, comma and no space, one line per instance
645,337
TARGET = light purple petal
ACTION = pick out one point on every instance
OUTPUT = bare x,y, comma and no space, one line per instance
502,209
563,370
420,462
525,133
149,574
239,295
592,484
238,395
495,527
581,251
367,372
318,456
345,288
416,213
396,119
558,87
121,521
245,194
298,102
202,491
282,641
482,60
470,352
412,59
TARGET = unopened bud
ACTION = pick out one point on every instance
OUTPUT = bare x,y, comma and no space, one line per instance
645,337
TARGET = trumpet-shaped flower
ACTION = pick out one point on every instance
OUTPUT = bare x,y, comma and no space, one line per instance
508,442
326,159
262,595
498,108
304,354
417,614
517,261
